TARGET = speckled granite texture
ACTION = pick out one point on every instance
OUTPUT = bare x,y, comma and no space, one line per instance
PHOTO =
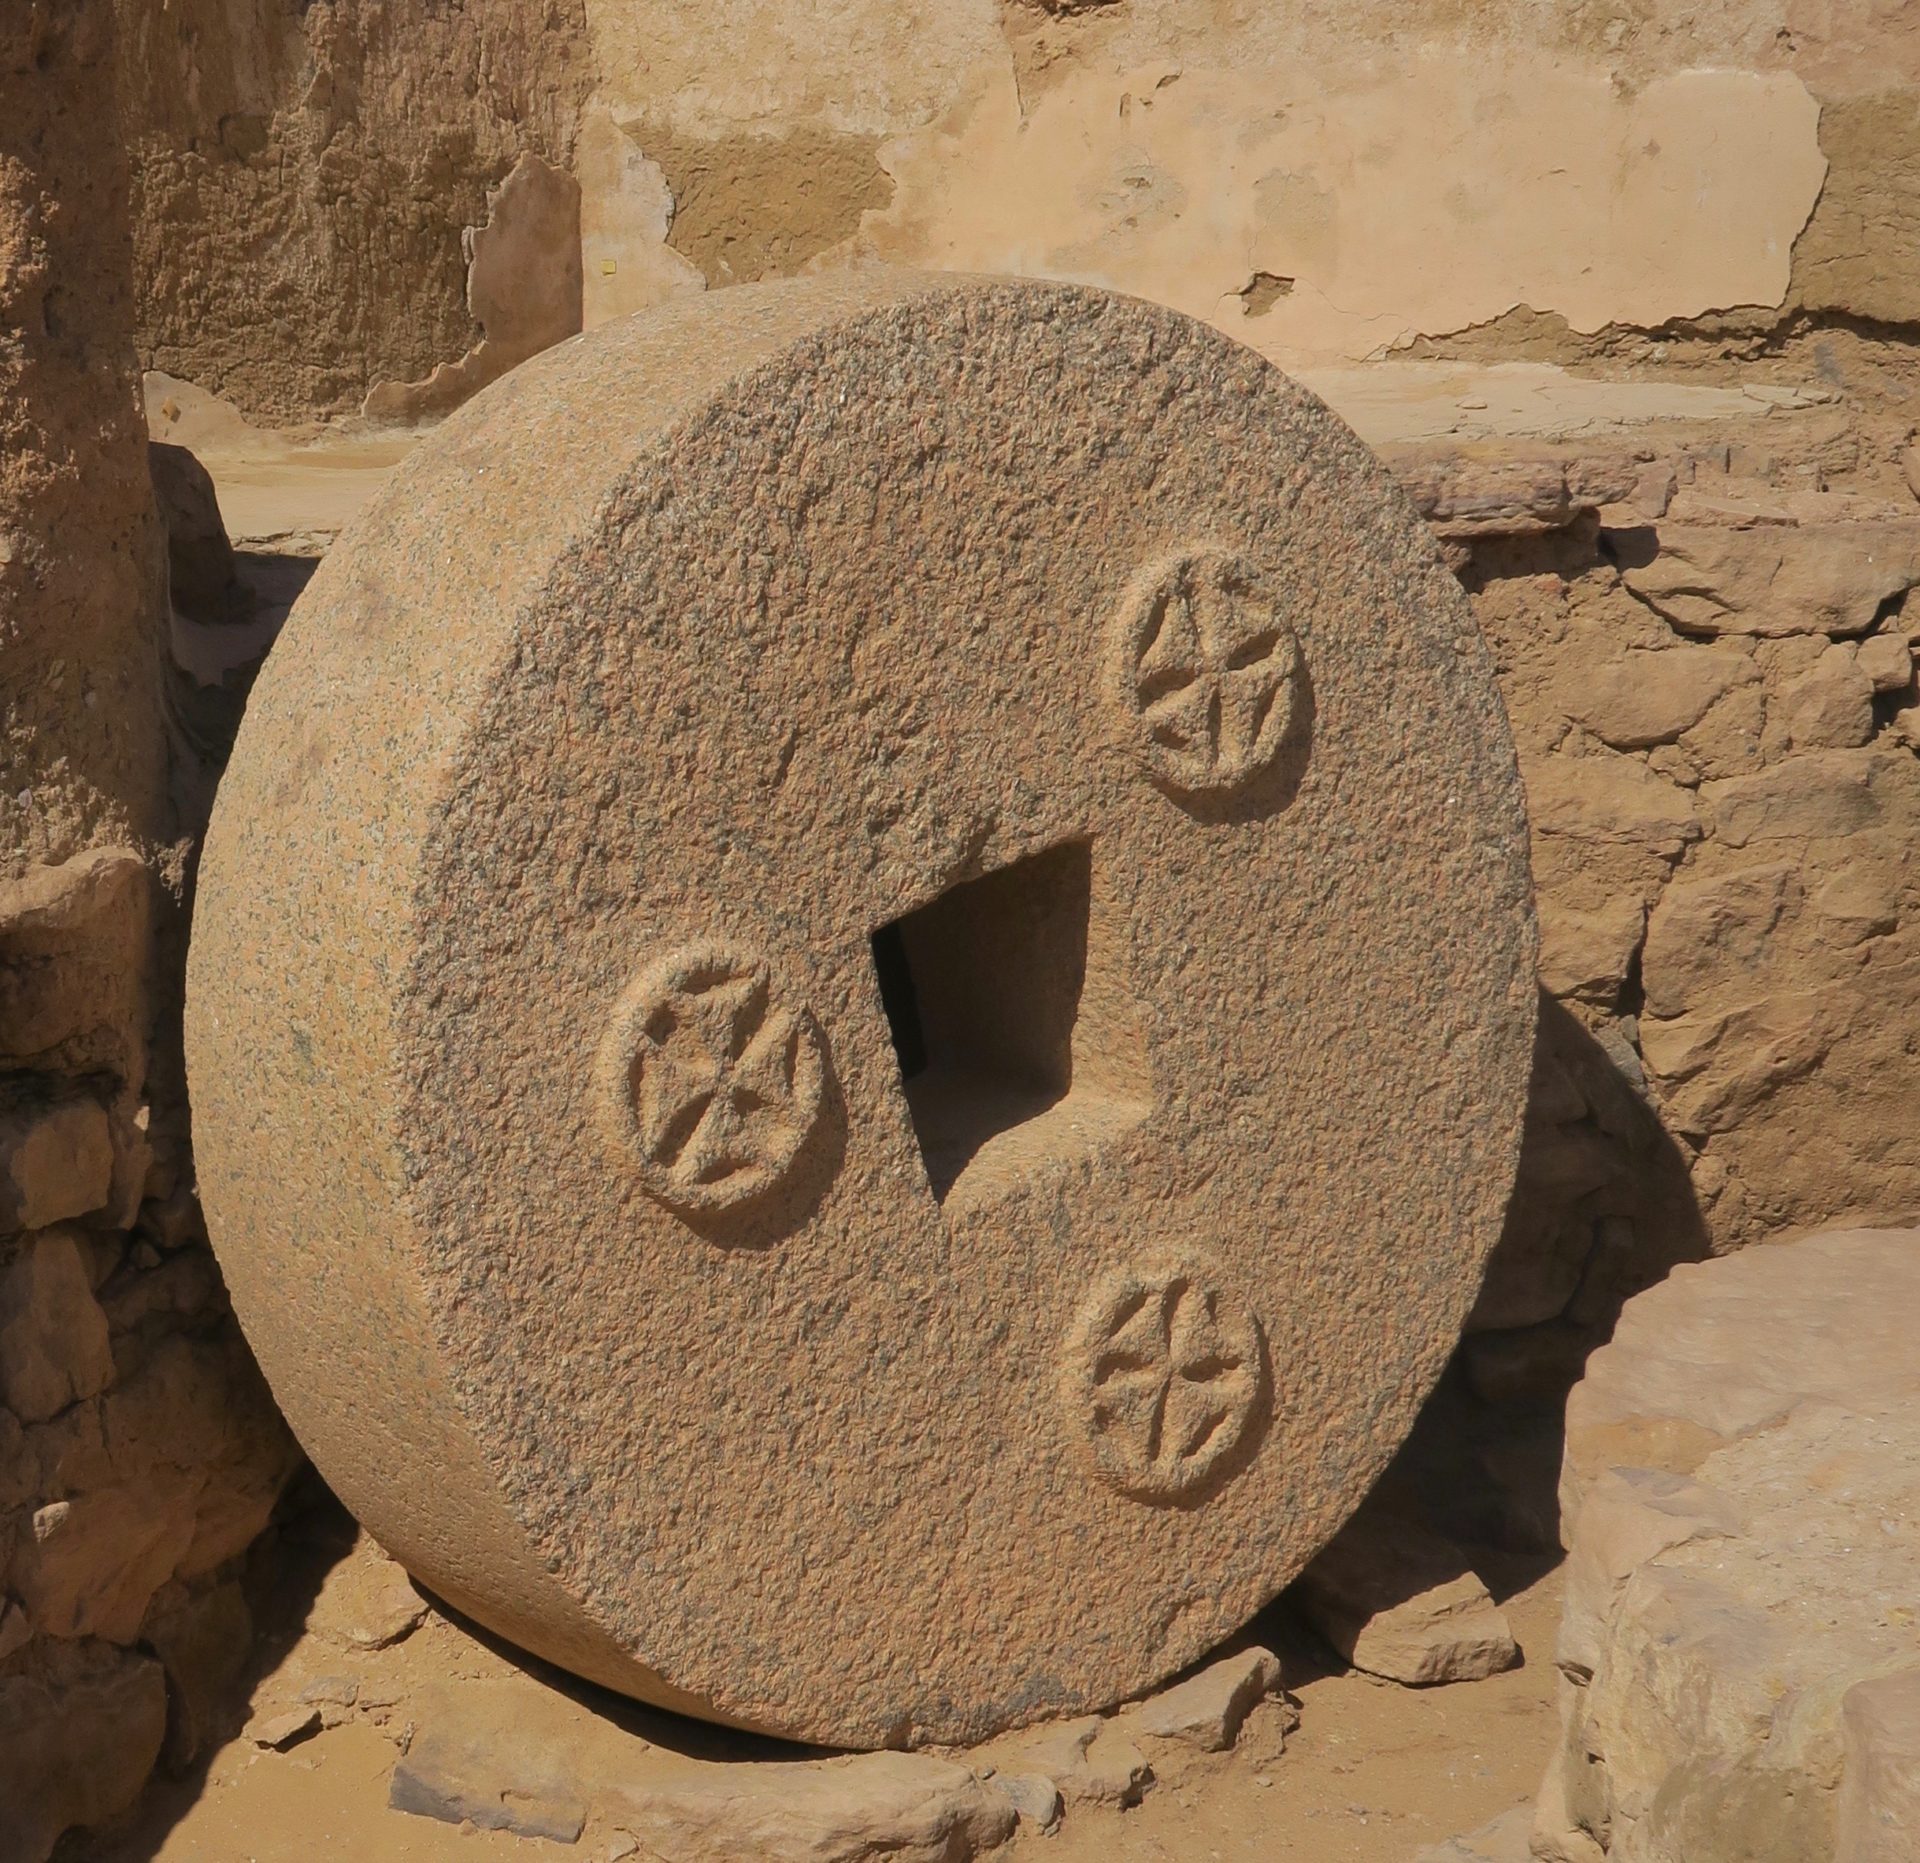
872,1339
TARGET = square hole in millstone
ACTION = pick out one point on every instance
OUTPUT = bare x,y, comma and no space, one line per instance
1017,1045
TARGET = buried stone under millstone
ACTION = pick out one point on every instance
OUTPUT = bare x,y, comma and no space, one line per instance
862,997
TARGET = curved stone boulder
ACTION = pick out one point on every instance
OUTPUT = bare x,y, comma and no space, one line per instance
861,1000
1740,1648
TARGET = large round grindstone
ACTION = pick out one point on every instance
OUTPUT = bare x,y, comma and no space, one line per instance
861,1000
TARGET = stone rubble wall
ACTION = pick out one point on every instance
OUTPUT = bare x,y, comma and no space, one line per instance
1713,695
139,1452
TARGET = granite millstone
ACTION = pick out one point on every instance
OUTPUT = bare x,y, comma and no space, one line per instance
861,1000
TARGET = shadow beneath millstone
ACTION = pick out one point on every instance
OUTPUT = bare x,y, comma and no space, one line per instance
1602,1208
658,1727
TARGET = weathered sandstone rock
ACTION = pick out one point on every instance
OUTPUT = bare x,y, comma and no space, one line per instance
1825,793
1491,490
1400,1602
288,1726
82,568
475,1759
1879,1810
510,1755
1739,1648
1588,953
73,963
1609,799
385,1606
53,1335
1206,1710
56,1161
1706,929
786,975
79,1733
908,1806
1034,1797
1887,661
1643,699
1775,579
1830,707
1092,1761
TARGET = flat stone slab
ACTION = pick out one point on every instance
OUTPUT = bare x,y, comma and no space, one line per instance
1401,1602
1740,1647
861,1001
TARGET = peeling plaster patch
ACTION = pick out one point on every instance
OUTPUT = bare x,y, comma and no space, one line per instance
1417,200
626,207
750,207
1262,292
523,290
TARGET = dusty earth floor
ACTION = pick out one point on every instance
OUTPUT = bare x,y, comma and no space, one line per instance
1372,1774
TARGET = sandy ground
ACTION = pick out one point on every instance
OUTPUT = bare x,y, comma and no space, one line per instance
1372,1774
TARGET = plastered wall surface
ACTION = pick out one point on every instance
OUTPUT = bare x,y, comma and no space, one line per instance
1329,183
1325,217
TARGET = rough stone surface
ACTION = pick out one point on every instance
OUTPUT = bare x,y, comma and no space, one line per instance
1774,579
1400,1602
513,1755
138,1451
1092,1762
291,1725
1740,1657
1729,917
1643,699
357,143
1206,1710
383,1606
473,1761
894,1805
82,575
1034,1797
1108,761
1879,1810
523,289
79,1733
55,1162
54,1347
74,964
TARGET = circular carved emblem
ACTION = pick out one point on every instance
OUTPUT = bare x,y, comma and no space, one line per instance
1167,1377
1207,671
709,1079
